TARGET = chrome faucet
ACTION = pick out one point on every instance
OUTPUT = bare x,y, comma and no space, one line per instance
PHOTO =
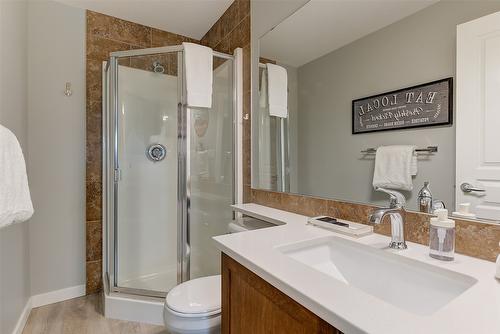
396,212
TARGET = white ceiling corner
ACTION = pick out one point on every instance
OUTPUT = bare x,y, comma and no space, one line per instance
191,18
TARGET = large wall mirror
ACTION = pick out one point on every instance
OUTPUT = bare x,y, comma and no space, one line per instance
361,75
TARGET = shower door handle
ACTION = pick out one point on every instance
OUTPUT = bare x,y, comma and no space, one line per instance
117,174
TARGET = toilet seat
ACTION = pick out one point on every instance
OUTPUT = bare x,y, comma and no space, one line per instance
194,307
197,297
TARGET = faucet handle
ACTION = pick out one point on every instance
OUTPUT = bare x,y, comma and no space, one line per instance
396,199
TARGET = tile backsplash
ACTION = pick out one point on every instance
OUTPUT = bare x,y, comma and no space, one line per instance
473,238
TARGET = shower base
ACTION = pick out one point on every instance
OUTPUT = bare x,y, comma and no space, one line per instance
128,307
160,281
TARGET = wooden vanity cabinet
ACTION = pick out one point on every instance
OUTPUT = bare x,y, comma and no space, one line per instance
250,305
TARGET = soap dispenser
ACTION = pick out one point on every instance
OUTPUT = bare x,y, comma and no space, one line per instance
442,236
424,199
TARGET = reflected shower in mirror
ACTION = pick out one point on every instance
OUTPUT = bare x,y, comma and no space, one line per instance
360,75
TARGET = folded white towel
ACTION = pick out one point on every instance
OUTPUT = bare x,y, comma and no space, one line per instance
15,200
277,90
198,67
394,167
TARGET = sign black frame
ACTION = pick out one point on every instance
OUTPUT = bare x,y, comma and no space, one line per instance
449,80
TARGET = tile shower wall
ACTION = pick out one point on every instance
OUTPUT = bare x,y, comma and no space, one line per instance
472,238
106,34
232,31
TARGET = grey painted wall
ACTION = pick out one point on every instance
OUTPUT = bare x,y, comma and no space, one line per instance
14,239
264,16
56,137
415,50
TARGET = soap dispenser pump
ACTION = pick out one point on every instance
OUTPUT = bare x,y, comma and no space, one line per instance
442,236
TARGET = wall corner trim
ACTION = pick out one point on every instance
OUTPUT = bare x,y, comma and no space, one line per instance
58,296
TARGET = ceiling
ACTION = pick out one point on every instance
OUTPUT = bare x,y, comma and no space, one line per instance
320,27
191,18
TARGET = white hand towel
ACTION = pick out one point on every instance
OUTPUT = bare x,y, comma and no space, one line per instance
15,200
198,66
394,167
277,90
263,90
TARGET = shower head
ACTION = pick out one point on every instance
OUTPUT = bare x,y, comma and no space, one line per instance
158,67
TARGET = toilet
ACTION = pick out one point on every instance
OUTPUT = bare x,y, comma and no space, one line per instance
194,307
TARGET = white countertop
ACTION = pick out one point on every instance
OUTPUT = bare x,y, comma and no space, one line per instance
476,311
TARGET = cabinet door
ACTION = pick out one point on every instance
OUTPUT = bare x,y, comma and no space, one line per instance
250,305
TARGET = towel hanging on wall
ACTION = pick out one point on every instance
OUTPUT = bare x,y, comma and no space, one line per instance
198,66
15,199
277,90
394,167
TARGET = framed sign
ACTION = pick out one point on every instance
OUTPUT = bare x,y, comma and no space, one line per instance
429,104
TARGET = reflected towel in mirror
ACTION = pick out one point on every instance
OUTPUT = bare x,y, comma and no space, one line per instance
394,167
277,90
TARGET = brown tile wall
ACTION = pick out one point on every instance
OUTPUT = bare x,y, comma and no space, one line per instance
106,34
472,238
232,31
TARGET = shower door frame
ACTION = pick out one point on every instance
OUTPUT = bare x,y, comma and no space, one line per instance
111,170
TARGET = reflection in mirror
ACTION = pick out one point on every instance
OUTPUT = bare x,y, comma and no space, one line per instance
352,68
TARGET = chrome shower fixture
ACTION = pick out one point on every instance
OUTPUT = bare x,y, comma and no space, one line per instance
158,67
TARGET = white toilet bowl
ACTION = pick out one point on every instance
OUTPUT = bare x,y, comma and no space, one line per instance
194,307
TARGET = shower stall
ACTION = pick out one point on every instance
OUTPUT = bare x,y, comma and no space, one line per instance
169,171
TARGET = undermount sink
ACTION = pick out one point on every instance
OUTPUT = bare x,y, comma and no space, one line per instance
408,284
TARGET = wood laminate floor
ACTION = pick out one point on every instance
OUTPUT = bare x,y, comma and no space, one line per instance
82,316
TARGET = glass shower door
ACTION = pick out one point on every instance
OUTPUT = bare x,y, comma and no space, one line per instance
211,172
146,192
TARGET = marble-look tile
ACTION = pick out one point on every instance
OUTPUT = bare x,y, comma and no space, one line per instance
168,61
229,20
99,48
94,79
94,240
112,28
94,276
247,72
240,36
94,121
165,38
478,239
94,201
94,142
243,9
223,46
247,193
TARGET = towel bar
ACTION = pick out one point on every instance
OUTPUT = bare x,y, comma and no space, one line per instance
428,149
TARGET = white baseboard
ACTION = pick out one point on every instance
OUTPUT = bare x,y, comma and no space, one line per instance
57,296
46,299
21,322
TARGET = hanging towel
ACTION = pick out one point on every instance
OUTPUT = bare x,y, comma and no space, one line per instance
15,200
277,90
198,66
394,167
263,90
